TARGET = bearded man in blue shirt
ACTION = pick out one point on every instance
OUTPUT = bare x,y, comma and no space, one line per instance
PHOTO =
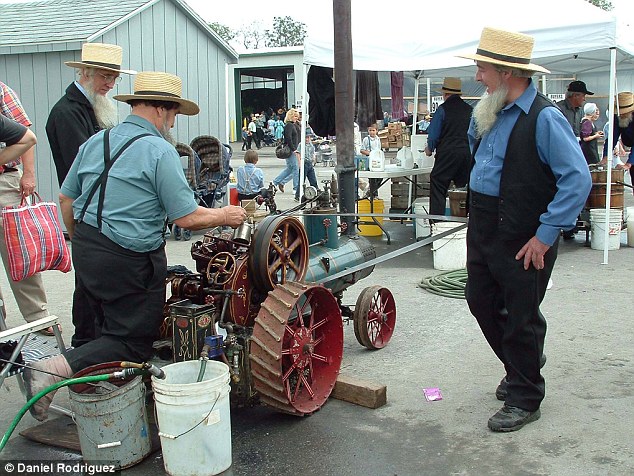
528,181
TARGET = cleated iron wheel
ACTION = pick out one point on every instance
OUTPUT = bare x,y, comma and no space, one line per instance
279,252
296,348
374,317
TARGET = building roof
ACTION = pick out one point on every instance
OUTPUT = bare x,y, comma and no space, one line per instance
50,22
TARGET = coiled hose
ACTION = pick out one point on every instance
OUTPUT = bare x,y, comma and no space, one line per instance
448,284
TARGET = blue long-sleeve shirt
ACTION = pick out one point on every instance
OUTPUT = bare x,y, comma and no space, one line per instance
435,129
557,147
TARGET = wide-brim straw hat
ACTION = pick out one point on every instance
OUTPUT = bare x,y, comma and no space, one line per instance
101,56
624,103
506,48
157,86
452,86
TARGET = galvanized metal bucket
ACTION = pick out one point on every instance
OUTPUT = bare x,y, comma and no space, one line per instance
111,418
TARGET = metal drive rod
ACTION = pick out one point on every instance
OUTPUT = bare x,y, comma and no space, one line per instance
344,108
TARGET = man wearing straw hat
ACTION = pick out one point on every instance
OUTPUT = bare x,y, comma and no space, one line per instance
118,230
447,135
528,181
622,126
84,110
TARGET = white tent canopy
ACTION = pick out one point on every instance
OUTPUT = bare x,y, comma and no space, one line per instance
571,37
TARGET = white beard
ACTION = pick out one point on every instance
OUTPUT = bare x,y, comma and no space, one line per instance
104,107
625,121
486,111
167,134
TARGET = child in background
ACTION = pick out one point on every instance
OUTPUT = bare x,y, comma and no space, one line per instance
250,179
368,144
245,138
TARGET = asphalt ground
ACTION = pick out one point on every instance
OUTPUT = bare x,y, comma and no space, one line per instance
587,419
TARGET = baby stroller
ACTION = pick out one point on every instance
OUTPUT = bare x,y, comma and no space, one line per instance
213,177
191,167
269,138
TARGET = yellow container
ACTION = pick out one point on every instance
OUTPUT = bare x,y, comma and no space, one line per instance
364,207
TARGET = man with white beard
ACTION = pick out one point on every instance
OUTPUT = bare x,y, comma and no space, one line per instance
118,230
83,111
528,181
85,108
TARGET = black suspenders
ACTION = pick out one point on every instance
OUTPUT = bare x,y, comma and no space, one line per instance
103,178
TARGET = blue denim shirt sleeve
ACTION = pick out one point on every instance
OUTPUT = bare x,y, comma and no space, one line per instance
435,128
558,148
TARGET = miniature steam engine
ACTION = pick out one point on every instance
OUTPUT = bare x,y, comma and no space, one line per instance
284,332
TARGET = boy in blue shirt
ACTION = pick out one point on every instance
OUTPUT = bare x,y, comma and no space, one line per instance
250,178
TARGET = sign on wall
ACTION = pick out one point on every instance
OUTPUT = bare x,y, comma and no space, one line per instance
436,101
556,97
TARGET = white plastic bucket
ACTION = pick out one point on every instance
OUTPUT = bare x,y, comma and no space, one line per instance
450,252
422,226
597,228
630,226
194,418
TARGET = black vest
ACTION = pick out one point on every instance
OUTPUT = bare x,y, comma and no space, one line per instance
527,185
454,128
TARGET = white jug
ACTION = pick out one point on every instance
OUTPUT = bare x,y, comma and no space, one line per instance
377,161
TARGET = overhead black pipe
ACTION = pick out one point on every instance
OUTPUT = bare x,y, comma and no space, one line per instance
344,110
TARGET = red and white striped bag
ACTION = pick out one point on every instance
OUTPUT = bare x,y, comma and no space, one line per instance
34,238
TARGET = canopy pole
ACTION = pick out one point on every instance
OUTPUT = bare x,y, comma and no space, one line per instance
344,110
415,120
302,143
429,94
544,84
608,191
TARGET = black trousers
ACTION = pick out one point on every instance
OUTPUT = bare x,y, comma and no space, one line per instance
447,167
83,318
505,298
126,291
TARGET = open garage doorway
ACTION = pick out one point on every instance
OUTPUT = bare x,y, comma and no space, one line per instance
265,89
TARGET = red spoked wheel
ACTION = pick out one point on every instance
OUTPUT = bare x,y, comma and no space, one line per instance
374,317
279,252
296,348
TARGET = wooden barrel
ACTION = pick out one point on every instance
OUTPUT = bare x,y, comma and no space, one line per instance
458,202
596,199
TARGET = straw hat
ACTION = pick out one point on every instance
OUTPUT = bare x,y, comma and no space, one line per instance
155,86
102,56
624,102
506,48
452,86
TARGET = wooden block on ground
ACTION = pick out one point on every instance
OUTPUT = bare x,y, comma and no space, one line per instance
360,392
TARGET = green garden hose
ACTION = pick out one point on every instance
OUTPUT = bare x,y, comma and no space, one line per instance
448,284
55,386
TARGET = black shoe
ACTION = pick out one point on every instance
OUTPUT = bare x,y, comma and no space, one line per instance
512,418
502,391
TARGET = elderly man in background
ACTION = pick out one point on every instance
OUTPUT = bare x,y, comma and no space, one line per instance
528,180
15,184
84,110
118,233
571,105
